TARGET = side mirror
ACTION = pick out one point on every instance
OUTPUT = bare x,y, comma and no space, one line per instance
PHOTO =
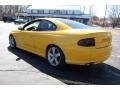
20,28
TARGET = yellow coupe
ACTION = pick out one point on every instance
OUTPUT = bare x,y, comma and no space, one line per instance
63,41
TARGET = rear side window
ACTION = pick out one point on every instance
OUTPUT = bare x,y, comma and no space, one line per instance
73,24
46,25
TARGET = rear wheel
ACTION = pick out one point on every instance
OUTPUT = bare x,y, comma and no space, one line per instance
12,41
55,57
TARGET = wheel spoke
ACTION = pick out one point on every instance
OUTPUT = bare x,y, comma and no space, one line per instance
56,61
52,60
50,54
53,50
12,41
58,54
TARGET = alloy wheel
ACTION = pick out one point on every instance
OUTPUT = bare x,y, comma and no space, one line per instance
54,56
12,41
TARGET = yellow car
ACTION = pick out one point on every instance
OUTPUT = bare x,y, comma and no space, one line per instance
63,41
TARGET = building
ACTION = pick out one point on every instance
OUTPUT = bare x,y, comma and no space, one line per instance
70,12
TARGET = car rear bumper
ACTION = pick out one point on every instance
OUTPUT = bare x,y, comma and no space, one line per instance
84,56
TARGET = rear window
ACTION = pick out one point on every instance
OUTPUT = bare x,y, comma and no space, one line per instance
73,24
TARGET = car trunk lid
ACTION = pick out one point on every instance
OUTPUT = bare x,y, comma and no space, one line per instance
102,37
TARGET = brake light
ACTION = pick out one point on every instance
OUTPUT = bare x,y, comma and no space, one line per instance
87,42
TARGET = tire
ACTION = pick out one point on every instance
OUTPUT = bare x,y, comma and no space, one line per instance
12,41
55,56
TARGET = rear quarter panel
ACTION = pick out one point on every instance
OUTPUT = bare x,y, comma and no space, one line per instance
63,40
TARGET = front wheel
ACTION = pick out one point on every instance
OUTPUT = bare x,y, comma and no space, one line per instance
12,41
55,57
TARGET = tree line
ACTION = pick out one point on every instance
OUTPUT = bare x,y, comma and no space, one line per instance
111,17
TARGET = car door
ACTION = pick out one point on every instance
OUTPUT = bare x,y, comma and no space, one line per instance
41,37
26,42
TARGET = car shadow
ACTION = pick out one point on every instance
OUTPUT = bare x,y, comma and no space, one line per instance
102,74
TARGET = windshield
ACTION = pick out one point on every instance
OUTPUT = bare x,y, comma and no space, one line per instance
73,24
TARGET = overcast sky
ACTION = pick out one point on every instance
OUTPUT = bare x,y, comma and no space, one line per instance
98,5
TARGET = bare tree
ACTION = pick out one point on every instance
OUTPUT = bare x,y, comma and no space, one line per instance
105,16
11,10
91,12
114,13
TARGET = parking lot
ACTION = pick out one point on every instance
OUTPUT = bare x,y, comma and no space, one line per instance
21,67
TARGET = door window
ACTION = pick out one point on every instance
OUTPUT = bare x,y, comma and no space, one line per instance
33,26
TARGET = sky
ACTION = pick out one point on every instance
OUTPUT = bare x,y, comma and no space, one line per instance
98,5
100,10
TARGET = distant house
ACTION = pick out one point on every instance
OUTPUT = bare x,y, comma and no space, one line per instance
70,12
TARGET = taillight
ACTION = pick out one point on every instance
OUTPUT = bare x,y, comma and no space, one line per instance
87,42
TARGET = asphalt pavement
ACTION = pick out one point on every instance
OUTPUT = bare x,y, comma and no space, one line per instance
23,68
